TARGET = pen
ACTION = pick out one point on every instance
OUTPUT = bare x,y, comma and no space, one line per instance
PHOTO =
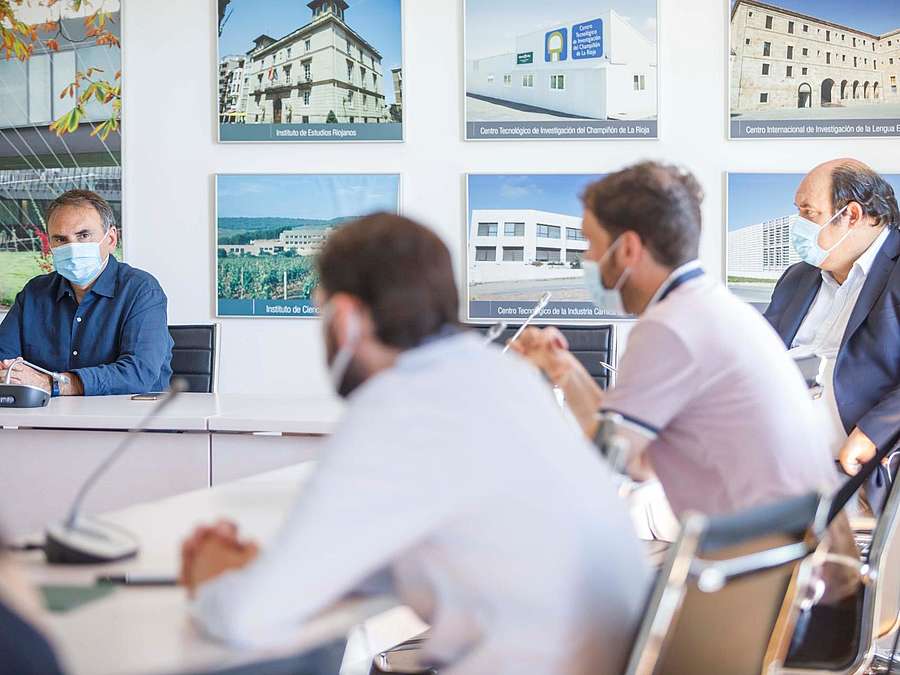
138,580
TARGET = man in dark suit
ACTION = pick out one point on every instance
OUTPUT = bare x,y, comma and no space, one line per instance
842,303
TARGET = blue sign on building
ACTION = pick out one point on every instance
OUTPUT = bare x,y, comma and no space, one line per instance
587,40
556,45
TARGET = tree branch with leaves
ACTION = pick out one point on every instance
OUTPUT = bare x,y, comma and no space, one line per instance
19,40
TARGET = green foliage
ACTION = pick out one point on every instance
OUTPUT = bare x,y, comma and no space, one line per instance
16,269
263,277
19,40
332,118
246,237
269,223
235,231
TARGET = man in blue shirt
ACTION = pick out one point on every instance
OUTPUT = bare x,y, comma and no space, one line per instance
97,324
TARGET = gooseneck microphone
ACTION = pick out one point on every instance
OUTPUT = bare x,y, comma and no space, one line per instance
494,332
545,298
80,540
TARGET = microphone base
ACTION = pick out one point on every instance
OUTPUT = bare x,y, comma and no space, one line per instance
88,542
23,396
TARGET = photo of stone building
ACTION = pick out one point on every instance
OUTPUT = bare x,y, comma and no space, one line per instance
231,88
329,70
789,65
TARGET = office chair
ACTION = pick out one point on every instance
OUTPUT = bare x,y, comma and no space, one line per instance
725,601
195,356
879,609
591,345
403,659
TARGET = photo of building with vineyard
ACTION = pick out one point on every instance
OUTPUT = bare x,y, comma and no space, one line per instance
270,229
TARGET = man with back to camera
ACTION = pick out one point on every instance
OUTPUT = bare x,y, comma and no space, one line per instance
97,324
454,471
842,303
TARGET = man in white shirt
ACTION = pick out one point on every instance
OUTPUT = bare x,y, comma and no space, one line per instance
842,303
454,471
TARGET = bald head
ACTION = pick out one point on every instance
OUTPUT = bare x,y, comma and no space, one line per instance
852,205
848,184
848,162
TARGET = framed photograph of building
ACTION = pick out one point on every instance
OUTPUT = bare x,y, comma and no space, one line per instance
805,69
539,70
323,70
269,228
523,239
759,207
56,133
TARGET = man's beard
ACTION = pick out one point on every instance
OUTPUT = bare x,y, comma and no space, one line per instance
353,377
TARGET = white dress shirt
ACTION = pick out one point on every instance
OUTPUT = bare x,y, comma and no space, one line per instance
822,332
456,472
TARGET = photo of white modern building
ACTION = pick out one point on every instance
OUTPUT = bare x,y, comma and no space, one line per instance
597,67
758,234
762,251
524,245
524,237
585,69
786,64
330,70
758,246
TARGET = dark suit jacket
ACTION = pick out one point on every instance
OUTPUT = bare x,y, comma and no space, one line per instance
867,370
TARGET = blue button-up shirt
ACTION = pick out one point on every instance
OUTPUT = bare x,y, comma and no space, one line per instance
116,340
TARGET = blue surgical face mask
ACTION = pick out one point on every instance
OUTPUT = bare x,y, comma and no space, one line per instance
805,239
79,263
608,300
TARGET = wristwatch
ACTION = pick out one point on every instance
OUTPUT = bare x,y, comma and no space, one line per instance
58,379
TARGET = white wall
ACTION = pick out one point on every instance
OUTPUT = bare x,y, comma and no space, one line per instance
171,157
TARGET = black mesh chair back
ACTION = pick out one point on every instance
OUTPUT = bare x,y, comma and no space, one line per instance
195,356
591,345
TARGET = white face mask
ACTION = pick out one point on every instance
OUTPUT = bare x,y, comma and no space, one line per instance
337,369
805,239
81,262
608,300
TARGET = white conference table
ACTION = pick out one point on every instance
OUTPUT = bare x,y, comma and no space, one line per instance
199,440
148,631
